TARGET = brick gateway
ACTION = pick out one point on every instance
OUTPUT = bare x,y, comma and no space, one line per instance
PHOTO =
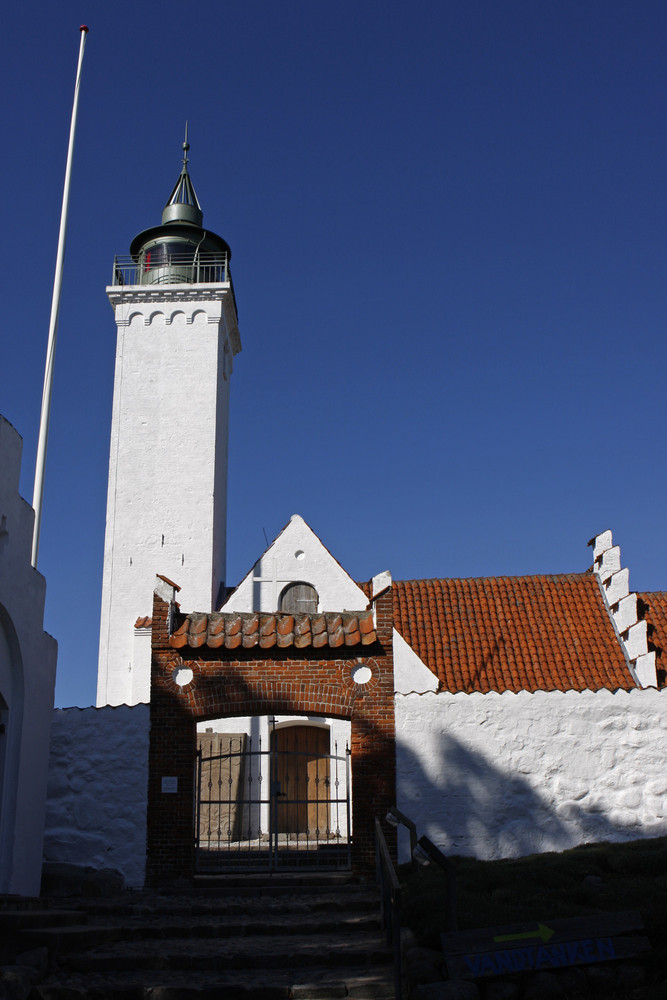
200,671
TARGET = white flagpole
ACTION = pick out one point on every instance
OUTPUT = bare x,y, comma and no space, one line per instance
38,493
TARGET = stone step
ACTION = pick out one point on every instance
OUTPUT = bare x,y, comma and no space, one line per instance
223,926
246,945
10,901
309,984
282,902
276,882
16,920
63,939
279,951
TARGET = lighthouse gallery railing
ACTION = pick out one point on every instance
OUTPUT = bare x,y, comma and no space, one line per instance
171,269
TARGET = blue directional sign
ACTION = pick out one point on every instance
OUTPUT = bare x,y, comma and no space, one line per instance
538,946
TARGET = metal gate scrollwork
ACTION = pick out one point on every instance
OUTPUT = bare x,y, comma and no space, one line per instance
281,806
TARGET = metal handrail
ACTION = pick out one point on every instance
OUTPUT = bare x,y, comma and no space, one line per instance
176,268
426,852
390,901
395,817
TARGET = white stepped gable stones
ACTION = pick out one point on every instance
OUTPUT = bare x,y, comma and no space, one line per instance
622,606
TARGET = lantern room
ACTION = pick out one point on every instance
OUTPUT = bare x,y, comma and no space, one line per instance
179,251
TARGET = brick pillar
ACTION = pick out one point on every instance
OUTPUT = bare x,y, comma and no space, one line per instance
374,745
172,749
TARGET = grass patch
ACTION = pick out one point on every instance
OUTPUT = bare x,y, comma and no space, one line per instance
594,878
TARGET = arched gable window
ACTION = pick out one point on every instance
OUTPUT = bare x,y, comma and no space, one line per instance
298,599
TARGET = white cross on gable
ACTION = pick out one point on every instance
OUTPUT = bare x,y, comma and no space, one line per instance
273,579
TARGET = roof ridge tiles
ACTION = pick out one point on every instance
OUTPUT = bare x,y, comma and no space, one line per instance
267,629
505,576
267,624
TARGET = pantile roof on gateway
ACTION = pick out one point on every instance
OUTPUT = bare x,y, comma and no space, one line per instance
235,630
653,607
526,633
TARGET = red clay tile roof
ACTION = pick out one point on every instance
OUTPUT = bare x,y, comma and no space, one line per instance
526,633
145,622
653,607
233,630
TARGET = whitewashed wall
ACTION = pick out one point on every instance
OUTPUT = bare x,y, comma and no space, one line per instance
488,775
494,775
164,515
27,679
98,781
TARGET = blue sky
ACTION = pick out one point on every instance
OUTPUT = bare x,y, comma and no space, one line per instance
448,231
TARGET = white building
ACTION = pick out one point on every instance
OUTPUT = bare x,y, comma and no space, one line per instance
27,680
174,307
528,710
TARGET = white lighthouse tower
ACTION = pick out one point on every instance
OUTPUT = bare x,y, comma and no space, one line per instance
175,311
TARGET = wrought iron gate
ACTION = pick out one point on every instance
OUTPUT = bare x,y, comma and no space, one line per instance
281,806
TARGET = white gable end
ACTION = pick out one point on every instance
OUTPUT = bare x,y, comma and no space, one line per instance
411,675
297,555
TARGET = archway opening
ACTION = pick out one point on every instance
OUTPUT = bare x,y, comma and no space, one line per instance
272,792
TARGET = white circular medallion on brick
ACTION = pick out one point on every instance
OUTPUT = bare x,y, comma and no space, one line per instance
361,674
182,676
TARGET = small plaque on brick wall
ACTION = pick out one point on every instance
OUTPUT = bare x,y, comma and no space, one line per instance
170,784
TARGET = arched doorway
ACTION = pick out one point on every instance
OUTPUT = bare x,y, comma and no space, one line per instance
273,792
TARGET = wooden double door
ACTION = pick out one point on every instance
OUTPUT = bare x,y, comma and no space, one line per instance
302,783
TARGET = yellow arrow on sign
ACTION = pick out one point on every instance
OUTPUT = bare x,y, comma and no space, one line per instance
542,932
